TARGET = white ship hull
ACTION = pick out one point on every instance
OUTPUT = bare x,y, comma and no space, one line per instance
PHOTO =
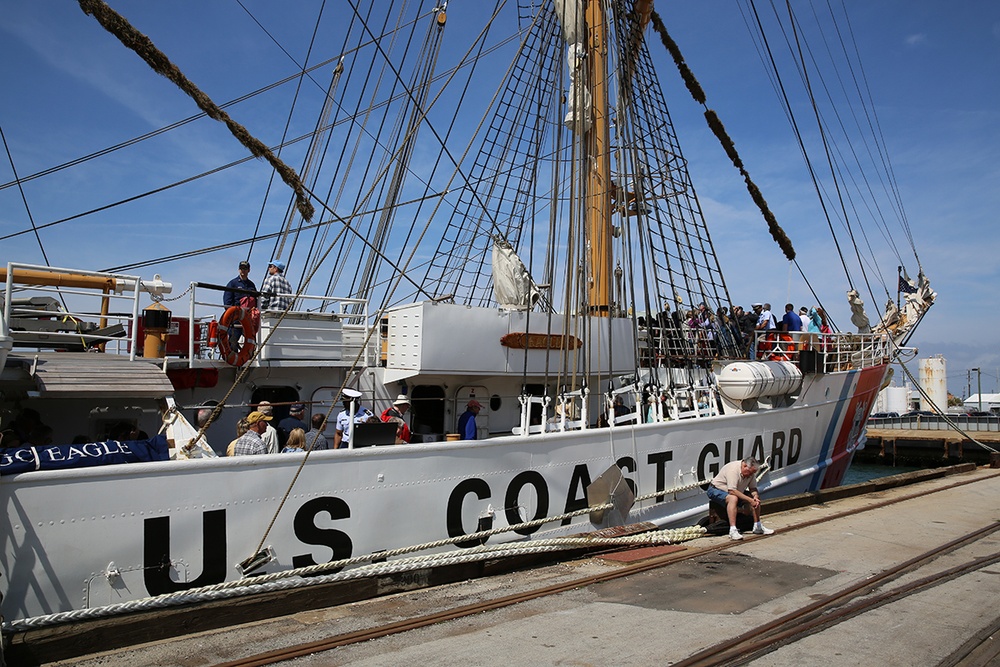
97,536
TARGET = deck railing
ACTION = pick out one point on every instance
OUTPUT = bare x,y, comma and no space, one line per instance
55,308
51,308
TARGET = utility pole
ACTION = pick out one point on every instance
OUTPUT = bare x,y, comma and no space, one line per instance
979,388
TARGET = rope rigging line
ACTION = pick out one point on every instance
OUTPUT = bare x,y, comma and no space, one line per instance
288,119
797,48
27,208
793,23
131,38
715,124
875,126
941,412
457,256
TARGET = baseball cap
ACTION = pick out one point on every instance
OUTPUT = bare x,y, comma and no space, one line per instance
277,263
244,265
401,400
297,407
264,407
474,404
255,417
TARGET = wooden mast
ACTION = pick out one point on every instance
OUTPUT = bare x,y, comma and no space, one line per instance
598,194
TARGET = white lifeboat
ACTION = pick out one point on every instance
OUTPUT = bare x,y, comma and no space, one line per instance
744,380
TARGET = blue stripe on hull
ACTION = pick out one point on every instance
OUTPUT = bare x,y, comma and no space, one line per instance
831,431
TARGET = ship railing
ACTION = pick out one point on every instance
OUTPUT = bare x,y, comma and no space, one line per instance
824,352
47,307
320,328
671,346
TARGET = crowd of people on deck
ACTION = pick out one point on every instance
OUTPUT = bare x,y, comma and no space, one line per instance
728,330
256,435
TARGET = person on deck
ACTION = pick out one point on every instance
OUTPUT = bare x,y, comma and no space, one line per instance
269,435
250,443
734,487
342,437
291,422
467,421
767,323
241,427
397,410
315,438
765,319
791,322
243,282
296,442
274,293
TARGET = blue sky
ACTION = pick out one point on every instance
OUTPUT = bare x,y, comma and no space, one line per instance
70,89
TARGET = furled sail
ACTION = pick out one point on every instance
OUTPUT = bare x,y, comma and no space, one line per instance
574,30
512,284
858,316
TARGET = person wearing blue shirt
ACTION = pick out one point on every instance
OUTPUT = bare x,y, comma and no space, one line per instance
291,422
467,422
791,321
242,281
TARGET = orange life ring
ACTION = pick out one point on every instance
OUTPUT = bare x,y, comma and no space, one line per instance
230,348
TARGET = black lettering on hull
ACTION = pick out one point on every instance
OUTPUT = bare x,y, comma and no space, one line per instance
156,554
708,470
308,532
454,512
659,460
576,495
627,464
514,490
794,445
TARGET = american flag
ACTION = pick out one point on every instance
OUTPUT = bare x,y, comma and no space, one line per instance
905,286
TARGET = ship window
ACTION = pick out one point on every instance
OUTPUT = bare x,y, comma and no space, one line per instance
281,398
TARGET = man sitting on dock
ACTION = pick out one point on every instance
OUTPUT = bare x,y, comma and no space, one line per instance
736,486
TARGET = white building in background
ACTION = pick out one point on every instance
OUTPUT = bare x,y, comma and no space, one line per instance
989,403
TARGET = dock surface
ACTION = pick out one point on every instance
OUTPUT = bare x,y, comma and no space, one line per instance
900,576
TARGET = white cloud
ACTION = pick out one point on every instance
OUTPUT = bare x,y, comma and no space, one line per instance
915,40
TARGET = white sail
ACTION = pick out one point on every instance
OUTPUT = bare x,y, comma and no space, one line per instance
579,104
513,287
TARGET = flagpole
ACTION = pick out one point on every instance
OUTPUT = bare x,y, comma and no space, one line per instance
899,282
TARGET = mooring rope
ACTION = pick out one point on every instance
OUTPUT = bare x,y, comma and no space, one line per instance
257,585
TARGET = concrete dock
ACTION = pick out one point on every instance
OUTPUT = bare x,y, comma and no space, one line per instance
701,595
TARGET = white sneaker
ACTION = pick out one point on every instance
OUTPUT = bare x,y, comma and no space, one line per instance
734,534
759,529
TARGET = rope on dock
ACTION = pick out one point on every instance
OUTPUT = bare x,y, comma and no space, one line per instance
290,580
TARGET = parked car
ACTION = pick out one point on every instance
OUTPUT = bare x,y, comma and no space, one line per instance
977,413
884,415
918,413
